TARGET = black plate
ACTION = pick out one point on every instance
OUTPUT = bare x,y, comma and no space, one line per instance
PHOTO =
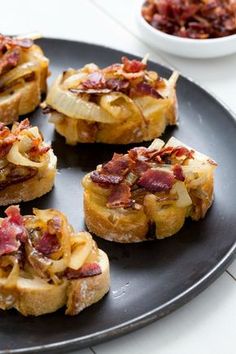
151,279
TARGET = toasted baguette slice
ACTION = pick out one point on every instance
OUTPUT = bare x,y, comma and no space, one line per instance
60,267
28,165
167,184
139,112
35,297
21,93
32,188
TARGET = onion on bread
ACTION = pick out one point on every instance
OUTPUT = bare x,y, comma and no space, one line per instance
120,104
23,75
45,264
27,164
148,192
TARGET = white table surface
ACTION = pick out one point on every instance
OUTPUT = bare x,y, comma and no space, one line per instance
206,325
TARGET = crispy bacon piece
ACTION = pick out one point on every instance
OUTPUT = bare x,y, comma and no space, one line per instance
23,43
47,244
38,150
119,85
164,155
7,139
140,167
156,181
132,66
145,89
180,151
24,124
118,165
9,60
178,172
95,81
120,197
105,180
87,270
139,161
12,231
13,42
137,153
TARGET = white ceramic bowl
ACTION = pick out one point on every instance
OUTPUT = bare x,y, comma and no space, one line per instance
185,47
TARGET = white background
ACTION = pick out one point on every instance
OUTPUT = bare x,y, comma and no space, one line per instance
206,325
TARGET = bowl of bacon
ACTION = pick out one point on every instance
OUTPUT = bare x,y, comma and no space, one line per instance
189,28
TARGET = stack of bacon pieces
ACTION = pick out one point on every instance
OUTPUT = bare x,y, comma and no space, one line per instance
124,173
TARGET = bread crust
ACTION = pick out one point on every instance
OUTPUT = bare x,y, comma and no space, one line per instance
32,188
37,297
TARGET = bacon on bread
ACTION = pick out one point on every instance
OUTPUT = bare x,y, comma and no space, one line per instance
45,264
27,163
120,104
23,74
148,189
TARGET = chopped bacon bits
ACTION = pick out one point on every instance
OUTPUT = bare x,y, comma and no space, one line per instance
178,172
87,270
144,88
47,244
132,66
120,197
120,85
180,151
192,19
105,180
12,231
130,78
24,124
94,81
15,42
156,181
118,165
38,150
141,166
140,170
7,139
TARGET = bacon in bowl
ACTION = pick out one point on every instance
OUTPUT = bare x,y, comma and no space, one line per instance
148,192
201,19
120,104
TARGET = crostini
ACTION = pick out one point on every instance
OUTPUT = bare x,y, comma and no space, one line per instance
23,74
45,264
120,104
27,163
148,192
